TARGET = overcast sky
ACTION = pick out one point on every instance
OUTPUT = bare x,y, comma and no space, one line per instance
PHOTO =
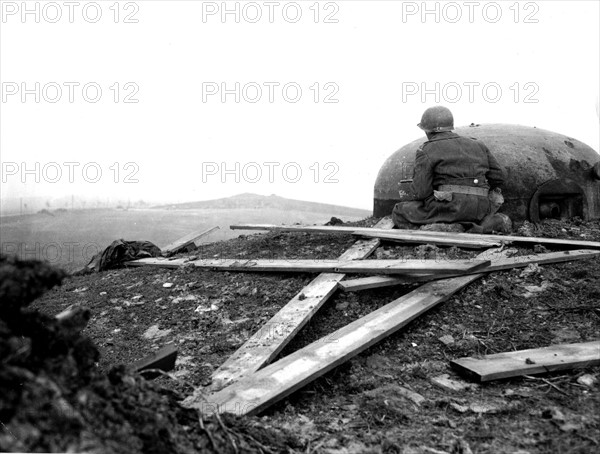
317,94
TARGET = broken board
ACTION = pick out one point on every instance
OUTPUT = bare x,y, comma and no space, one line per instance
420,233
163,359
186,241
399,266
256,392
532,361
267,343
354,285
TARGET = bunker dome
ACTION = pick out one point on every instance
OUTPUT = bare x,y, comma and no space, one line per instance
548,175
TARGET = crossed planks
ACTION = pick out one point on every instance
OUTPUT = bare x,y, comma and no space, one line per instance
254,389
532,361
354,285
263,346
255,392
400,266
421,236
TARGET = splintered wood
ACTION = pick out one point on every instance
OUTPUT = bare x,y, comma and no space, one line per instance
532,361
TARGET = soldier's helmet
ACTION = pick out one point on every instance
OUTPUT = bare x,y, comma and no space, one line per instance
437,119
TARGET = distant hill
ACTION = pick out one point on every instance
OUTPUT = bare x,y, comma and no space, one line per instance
256,201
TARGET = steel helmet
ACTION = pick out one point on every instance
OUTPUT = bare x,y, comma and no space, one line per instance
437,119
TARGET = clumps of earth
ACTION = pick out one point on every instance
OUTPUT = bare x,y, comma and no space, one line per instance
58,394
53,397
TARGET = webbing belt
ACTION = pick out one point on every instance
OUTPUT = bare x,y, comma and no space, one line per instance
463,189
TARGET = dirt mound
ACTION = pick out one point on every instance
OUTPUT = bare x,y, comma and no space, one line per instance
53,397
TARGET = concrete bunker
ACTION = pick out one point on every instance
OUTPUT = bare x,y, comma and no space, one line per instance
548,175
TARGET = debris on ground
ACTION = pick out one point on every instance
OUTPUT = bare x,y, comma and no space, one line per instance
54,399
343,411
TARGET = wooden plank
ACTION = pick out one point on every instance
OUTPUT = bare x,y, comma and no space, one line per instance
506,263
399,266
405,236
371,282
187,240
399,237
418,233
255,392
163,359
532,361
267,343
304,228
273,336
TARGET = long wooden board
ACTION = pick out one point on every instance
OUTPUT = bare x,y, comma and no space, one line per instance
532,361
419,233
399,237
267,343
506,263
254,393
405,236
371,282
400,266
187,240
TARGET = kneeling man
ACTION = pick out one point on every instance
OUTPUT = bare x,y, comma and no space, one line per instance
452,180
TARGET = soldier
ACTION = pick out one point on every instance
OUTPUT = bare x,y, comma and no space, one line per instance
456,180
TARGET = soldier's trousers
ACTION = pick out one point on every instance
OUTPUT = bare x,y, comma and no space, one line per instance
463,208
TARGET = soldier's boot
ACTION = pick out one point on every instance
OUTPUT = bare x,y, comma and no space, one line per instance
443,227
497,222
400,222
405,226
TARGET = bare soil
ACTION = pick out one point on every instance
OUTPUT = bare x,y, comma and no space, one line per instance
359,407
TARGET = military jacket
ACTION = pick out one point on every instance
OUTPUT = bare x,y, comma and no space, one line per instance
452,159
